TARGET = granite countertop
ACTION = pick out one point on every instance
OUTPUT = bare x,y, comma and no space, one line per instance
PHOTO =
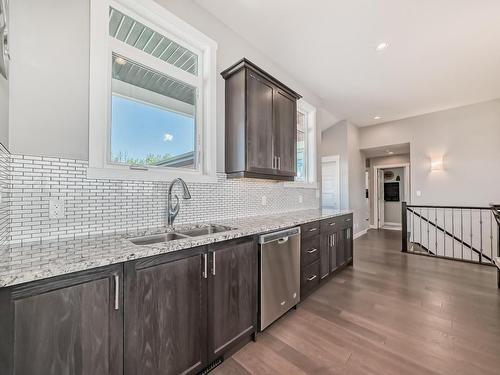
40,260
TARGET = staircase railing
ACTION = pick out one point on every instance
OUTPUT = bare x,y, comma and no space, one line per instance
495,209
464,233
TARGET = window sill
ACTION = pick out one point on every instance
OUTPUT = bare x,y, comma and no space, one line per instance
301,184
149,175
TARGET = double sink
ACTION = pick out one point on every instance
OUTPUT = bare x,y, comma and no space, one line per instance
179,235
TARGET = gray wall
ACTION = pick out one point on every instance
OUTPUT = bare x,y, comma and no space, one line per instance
4,112
50,74
468,139
386,160
343,139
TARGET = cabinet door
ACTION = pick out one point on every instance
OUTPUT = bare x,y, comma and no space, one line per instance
232,304
285,131
165,316
259,132
348,243
340,246
325,255
70,326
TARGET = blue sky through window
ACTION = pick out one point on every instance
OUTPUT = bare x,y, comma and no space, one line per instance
139,130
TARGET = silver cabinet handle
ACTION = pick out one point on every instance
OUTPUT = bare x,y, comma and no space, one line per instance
117,291
205,266
330,241
313,229
213,263
347,220
333,239
312,251
312,278
332,223
279,162
282,240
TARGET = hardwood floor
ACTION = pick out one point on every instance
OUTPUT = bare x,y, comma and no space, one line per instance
392,313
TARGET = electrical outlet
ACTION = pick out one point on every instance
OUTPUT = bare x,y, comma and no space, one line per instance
264,200
57,209
301,198
419,193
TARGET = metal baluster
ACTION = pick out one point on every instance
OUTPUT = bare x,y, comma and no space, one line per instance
428,232
435,232
453,231
480,236
491,235
462,231
413,225
471,246
444,232
420,232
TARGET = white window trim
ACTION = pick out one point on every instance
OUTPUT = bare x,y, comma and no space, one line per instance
155,16
312,145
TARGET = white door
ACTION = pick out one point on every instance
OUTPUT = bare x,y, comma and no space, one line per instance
330,184
380,198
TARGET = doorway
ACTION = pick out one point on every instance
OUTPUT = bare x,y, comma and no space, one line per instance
391,188
330,182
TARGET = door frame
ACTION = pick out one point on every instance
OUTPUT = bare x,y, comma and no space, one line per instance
407,191
331,158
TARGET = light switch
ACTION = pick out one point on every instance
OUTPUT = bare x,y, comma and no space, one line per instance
419,193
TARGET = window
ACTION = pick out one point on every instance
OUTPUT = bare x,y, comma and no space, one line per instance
152,94
306,146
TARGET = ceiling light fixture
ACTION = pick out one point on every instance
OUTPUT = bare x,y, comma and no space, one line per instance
377,118
390,152
382,46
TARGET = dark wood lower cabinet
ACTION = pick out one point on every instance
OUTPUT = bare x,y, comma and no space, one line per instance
66,325
166,315
232,292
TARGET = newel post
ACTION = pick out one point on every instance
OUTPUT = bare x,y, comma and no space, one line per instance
404,228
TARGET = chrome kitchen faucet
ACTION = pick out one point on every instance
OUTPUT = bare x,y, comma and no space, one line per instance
172,211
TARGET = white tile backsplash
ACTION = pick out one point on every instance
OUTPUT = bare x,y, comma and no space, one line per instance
102,206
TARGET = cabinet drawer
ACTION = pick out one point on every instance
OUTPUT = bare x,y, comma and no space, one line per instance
309,250
309,229
331,225
310,279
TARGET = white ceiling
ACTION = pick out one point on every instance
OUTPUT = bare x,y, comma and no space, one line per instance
442,53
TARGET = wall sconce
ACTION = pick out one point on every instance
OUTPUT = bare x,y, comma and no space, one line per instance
437,164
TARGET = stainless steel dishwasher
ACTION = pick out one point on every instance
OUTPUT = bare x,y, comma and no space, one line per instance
279,274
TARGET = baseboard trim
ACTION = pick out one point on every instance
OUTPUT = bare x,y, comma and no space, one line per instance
359,234
373,226
393,224
391,228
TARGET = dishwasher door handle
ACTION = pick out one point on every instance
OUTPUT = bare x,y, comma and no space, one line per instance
283,240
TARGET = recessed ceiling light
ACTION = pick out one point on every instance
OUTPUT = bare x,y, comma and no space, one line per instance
120,61
382,46
390,152
377,118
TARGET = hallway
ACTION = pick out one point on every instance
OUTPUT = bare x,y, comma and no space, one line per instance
392,313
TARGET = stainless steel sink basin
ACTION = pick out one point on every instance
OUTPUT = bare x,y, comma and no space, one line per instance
179,235
157,238
209,229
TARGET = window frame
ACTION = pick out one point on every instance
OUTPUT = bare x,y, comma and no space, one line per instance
311,145
102,47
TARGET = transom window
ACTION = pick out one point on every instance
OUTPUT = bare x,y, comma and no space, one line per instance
160,99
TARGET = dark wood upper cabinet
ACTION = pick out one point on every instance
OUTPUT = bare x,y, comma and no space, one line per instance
66,325
261,124
166,314
232,291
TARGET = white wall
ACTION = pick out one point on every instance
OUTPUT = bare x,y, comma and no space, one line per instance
343,139
468,138
4,112
50,50
49,77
